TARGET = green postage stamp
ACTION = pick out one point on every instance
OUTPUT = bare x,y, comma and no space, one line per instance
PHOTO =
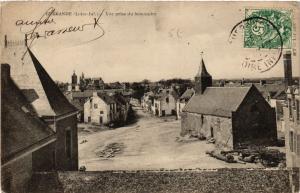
261,33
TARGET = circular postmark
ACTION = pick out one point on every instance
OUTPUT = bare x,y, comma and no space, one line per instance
262,40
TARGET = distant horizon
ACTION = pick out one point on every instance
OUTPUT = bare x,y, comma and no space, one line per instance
192,79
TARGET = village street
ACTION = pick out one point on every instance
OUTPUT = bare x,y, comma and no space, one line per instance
150,143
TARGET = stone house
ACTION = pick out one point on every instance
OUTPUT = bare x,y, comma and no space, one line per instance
50,105
292,126
146,100
291,113
165,102
233,116
122,107
183,100
23,134
100,109
274,93
79,98
291,120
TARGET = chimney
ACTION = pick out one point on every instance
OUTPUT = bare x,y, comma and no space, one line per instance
287,63
5,72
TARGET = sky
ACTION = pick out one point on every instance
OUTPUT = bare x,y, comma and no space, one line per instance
165,42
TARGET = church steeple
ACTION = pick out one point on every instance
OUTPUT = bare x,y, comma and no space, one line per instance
202,79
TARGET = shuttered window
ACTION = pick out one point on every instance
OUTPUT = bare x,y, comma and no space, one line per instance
295,143
298,144
297,110
291,141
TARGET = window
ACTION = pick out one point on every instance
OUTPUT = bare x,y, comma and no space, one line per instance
298,144
218,123
95,106
290,107
297,110
295,143
69,143
167,100
101,112
291,141
202,119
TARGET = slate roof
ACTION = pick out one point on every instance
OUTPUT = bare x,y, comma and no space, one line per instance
58,102
202,72
78,105
120,99
21,128
84,94
89,93
218,101
30,94
163,93
274,91
188,93
107,99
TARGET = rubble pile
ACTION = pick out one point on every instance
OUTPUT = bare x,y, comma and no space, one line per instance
221,155
111,150
264,156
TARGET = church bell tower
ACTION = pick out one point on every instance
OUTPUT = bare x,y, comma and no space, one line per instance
202,79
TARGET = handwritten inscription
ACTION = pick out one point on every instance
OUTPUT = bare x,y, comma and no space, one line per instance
34,30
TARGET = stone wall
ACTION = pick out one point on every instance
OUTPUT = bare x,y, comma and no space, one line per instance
255,121
43,159
63,162
220,128
16,175
292,157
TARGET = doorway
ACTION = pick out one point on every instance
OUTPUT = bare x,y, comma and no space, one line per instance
211,132
156,112
101,120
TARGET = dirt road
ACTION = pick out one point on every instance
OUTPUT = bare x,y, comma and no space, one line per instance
148,144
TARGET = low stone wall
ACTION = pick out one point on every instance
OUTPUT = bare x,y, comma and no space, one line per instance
212,181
